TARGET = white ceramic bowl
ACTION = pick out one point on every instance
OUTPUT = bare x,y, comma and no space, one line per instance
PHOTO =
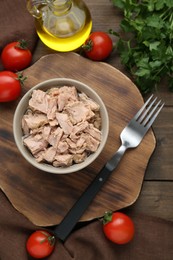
21,109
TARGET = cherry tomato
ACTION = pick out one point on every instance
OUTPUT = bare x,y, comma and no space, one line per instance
10,85
16,56
98,46
118,227
40,244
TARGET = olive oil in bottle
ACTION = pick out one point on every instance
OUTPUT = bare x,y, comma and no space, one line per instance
62,25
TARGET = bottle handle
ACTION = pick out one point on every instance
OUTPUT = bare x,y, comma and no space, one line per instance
33,7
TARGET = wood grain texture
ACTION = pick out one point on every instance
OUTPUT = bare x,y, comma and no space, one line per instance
161,163
155,199
45,198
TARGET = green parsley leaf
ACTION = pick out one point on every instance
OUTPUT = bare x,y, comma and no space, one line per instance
146,45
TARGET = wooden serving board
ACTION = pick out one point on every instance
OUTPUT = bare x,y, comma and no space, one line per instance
45,198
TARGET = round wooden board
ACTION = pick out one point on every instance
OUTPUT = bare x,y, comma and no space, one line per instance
45,198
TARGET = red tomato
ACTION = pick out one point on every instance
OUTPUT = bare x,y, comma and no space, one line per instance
119,228
10,86
40,244
98,46
16,56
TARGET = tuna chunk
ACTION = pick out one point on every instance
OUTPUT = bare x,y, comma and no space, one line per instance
35,143
34,121
49,154
88,101
96,120
91,143
46,132
55,136
39,156
53,122
63,160
42,102
78,158
77,146
77,130
79,112
66,95
39,101
94,132
62,147
52,108
64,122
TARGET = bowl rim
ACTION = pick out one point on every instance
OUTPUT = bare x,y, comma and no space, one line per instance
21,108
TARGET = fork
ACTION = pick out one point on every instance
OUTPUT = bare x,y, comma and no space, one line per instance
131,137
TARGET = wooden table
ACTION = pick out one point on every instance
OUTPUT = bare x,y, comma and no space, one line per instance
156,197
157,191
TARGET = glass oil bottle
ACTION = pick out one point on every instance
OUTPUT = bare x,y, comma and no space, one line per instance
62,25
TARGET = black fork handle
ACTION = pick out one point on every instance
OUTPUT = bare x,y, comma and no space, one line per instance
67,224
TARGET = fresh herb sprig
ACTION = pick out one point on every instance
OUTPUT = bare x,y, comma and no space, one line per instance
146,47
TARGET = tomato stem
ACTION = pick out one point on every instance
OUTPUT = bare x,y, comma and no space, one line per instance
21,78
22,44
107,217
88,45
49,238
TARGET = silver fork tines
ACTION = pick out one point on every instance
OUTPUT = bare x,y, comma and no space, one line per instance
147,116
132,135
